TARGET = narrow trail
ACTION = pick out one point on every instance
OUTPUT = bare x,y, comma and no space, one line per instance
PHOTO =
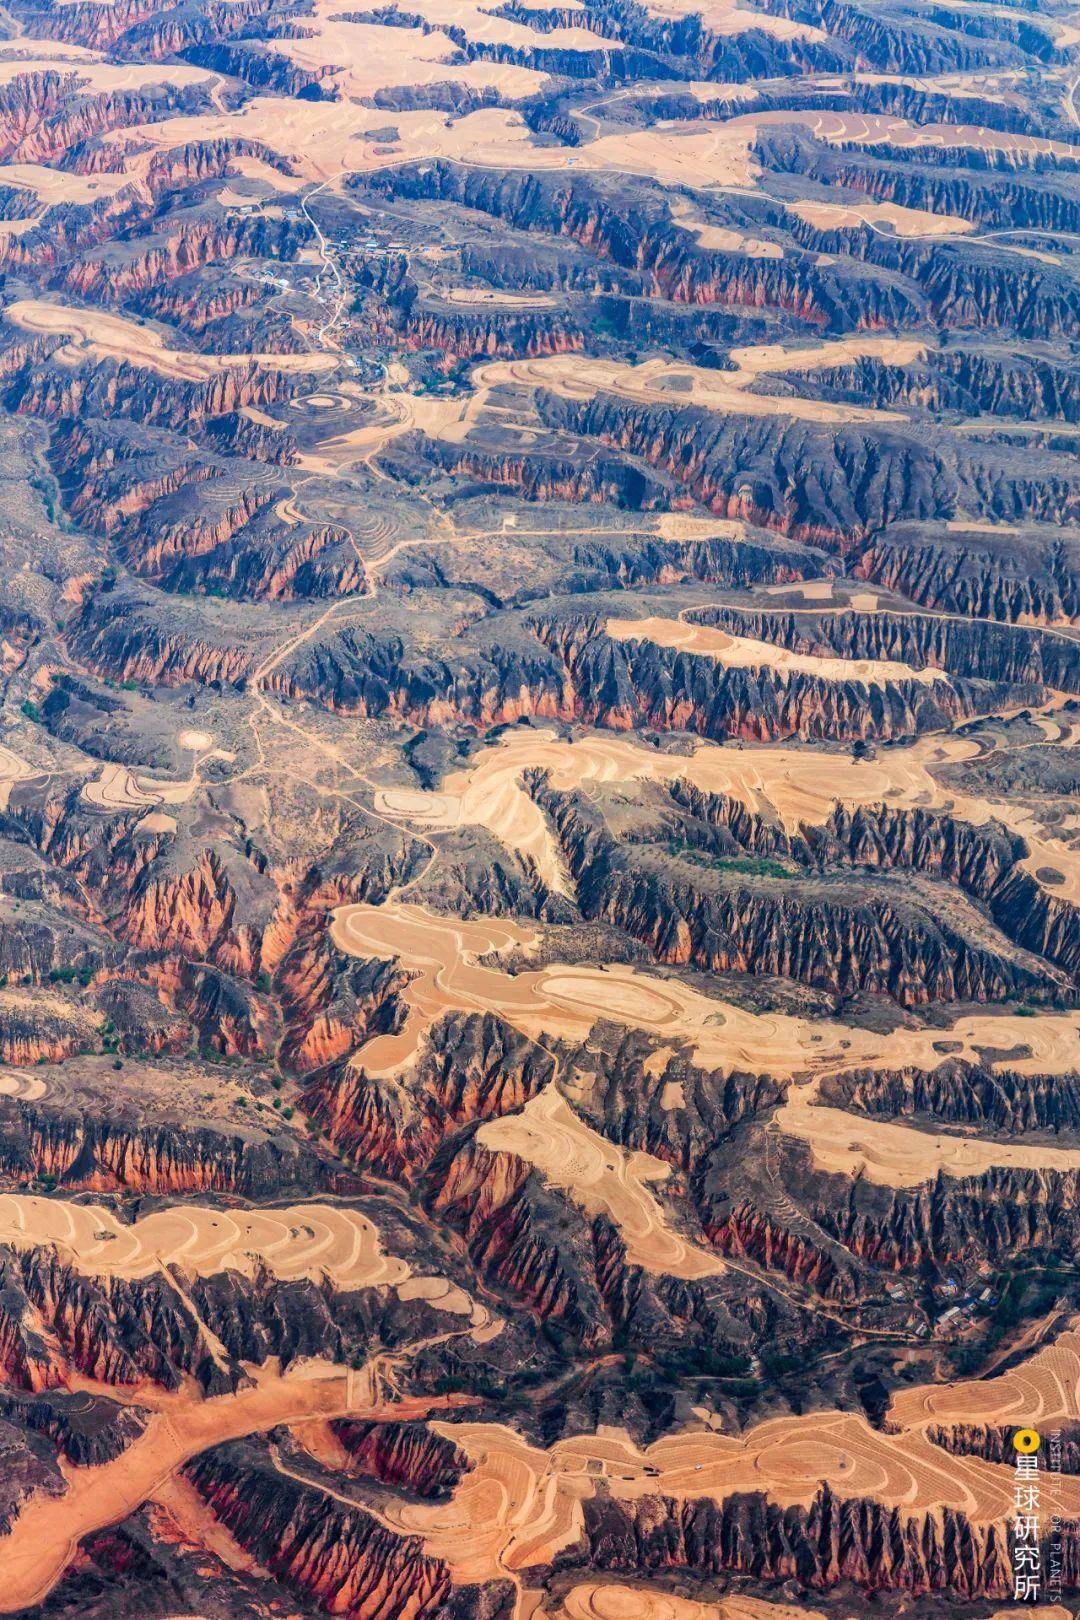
328,262
326,341
215,91
337,760
1070,101
298,640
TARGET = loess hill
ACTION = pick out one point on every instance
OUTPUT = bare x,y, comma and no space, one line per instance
539,847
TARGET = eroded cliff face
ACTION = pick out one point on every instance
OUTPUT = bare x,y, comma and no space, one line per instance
995,1445
832,1542
101,1154
834,488
966,575
661,1102
195,523
41,1034
963,1094
88,1430
661,259
634,683
30,1473
188,244
231,948
508,1221
115,1331
328,1551
974,649
118,641
829,926
983,861
185,1327
465,337
408,1456
963,289
736,564
127,30
194,913
952,1221
1006,385
120,388
779,1239
274,574
567,669
471,1068
331,1005
986,862
569,1271
43,113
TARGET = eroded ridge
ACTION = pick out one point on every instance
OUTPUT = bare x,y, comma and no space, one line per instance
539,860
449,961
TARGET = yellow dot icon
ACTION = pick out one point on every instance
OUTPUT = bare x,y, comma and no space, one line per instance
1026,1441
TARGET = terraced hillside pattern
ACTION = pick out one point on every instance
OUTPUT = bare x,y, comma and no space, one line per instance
539,820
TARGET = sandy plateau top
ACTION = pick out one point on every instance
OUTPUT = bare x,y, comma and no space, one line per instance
12,770
902,221
520,1506
652,382
232,622
323,1243
454,968
47,1531
482,23
724,237
740,652
304,1240
677,383
445,955
94,74
622,1601
603,1179
1041,1392
797,785
328,140
900,1155
610,1601
495,298
22,1083
727,17
869,128
57,186
98,335
566,1002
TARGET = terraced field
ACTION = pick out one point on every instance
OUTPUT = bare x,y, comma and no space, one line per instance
539,848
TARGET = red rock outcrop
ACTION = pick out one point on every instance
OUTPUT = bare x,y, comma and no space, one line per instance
409,1456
